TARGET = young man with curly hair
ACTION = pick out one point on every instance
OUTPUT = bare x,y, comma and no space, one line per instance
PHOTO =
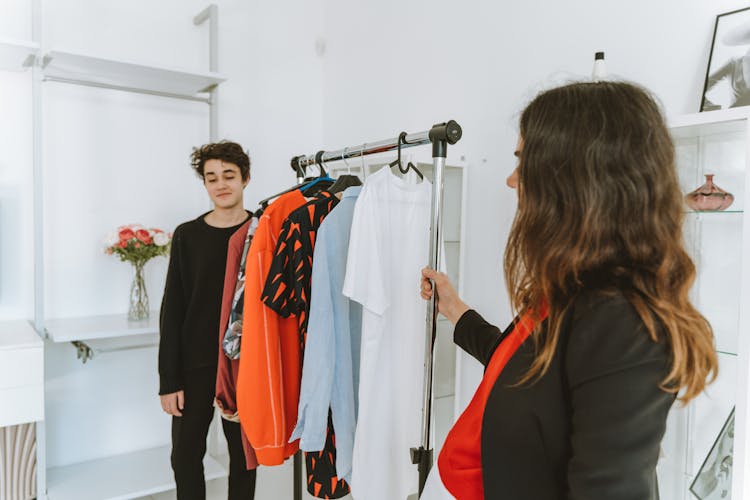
189,323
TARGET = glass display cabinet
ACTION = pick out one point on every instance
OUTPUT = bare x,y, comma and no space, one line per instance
705,449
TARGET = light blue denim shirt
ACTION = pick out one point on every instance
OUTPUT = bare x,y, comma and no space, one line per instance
330,373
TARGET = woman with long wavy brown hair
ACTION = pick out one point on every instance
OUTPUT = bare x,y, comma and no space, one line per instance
574,400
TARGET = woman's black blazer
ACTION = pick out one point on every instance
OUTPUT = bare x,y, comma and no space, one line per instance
591,427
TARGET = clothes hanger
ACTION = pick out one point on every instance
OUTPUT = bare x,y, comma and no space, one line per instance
345,180
265,201
306,183
397,161
362,157
320,183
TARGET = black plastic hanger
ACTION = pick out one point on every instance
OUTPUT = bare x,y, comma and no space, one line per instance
397,161
320,183
323,180
264,202
344,180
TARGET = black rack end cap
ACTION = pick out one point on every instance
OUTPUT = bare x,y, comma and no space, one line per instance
295,163
449,131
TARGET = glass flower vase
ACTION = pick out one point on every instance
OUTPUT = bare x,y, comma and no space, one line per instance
138,309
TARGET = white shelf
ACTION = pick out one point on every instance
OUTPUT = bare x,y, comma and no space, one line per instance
721,121
113,344
116,344
13,54
18,335
100,327
126,75
120,477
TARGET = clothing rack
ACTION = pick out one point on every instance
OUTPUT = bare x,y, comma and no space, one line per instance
440,135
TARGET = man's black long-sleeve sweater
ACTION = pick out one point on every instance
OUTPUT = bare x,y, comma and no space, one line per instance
190,309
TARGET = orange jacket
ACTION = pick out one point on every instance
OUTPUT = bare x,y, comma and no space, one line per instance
268,382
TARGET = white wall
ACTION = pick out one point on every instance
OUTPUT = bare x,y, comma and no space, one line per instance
113,158
110,155
103,146
16,204
393,65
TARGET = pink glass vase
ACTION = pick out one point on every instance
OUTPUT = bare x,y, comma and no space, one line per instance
709,197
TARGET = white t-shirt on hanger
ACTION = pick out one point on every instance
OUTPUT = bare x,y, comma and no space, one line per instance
388,247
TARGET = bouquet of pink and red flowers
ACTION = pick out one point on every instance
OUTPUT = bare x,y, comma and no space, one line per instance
136,244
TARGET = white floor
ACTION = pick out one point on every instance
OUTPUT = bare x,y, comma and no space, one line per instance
275,483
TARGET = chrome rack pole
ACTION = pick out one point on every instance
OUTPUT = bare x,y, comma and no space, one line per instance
298,163
440,136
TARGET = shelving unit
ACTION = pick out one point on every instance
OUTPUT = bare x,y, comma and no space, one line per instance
716,142
68,67
140,472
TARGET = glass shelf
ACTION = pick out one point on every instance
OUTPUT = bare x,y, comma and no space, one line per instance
714,212
719,122
733,354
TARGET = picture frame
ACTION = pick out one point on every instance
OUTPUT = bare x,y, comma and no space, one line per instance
727,83
714,478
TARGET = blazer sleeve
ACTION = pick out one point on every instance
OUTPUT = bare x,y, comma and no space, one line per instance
618,412
477,337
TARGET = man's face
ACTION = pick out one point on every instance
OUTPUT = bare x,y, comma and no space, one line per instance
224,183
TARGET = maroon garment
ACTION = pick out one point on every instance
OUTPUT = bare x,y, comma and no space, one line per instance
226,373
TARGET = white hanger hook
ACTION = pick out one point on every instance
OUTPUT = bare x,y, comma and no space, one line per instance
362,157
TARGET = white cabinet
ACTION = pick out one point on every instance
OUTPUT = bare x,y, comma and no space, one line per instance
21,374
719,242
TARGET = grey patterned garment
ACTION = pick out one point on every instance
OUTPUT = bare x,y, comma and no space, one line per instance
233,335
